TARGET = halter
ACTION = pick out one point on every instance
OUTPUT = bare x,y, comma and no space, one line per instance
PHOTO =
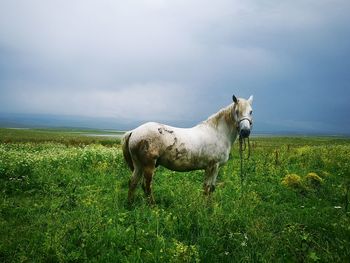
245,118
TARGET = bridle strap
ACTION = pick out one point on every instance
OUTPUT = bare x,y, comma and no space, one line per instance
243,119
246,118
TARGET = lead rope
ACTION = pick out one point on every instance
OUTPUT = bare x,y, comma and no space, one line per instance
242,148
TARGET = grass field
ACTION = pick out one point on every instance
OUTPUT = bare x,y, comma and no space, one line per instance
63,199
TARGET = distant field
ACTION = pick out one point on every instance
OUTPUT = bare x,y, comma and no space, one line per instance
63,199
64,136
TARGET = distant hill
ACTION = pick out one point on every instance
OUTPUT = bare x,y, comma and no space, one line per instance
81,122
59,121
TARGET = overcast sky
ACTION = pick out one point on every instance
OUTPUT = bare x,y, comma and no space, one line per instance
178,61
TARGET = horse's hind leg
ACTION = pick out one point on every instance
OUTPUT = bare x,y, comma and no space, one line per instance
147,183
135,178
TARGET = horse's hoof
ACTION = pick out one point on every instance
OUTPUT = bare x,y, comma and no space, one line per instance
129,204
212,188
151,202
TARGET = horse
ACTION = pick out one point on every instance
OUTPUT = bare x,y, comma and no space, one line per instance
205,146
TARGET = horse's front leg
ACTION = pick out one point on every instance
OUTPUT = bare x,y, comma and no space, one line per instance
211,172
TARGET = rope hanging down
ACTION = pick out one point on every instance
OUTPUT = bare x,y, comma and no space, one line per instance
242,148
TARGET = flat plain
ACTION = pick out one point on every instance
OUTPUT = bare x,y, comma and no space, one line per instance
63,199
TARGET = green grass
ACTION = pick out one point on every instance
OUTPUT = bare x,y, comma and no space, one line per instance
63,199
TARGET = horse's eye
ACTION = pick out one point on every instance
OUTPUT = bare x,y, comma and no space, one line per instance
251,112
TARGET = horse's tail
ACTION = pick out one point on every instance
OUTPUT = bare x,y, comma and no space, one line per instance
126,151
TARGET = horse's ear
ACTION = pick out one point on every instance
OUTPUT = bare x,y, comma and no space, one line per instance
234,99
250,100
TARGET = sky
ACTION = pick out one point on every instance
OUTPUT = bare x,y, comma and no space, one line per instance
178,61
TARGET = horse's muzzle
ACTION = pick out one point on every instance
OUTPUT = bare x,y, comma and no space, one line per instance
244,133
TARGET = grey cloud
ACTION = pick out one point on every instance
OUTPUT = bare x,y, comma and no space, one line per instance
64,56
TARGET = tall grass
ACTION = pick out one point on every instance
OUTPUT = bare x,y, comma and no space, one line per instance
64,203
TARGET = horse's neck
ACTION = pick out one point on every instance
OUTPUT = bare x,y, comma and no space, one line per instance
223,123
227,129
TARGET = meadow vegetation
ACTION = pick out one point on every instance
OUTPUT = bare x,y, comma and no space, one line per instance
63,199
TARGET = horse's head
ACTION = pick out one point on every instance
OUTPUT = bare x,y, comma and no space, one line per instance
242,113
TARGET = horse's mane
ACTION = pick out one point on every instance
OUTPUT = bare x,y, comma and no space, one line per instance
225,113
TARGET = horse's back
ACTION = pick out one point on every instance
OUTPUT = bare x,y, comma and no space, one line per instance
145,144
159,142
148,131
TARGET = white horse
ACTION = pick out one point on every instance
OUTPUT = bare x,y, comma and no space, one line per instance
205,146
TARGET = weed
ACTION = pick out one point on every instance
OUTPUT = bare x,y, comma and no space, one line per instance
293,181
313,180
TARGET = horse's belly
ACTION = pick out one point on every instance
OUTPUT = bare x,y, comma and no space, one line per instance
188,161
182,166
181,162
